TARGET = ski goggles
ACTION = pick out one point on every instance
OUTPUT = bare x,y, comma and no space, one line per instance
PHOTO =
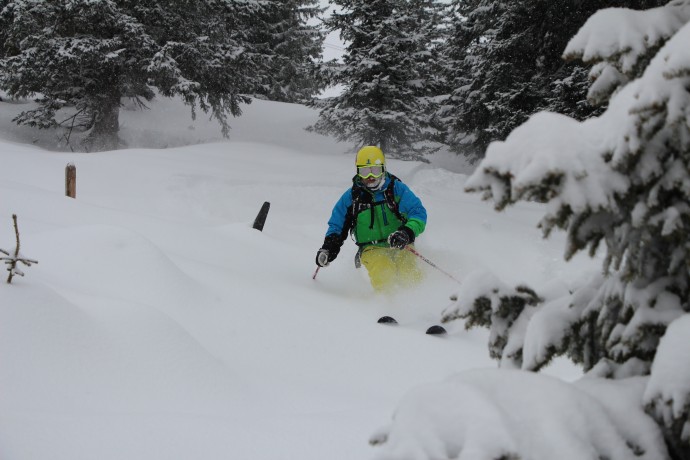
369,171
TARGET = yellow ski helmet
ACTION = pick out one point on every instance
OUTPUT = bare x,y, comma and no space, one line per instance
370,155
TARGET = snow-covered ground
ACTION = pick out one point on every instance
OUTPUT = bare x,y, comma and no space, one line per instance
158,324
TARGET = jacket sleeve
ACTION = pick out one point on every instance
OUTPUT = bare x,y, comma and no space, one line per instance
411,207
336,224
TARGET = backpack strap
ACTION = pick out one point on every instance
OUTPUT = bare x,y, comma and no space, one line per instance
361,200
393,205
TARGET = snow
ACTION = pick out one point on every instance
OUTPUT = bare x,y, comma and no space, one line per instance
158,324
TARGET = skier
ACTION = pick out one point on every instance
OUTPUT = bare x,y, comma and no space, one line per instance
384,216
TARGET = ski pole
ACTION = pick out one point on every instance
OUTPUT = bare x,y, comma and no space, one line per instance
317,271
431,263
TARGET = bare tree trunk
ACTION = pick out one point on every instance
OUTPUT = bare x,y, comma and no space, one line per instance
104,134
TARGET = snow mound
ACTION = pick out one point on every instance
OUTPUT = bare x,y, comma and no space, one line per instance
115,262
473,416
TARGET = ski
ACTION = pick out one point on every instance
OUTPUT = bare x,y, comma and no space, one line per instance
433,330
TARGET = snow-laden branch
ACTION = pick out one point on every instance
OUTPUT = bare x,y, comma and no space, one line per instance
619,42
667,397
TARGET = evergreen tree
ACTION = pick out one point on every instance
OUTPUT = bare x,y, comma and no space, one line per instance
504,62
86,55
292,47
386,97
619,181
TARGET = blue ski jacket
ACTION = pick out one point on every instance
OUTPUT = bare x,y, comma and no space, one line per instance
376,221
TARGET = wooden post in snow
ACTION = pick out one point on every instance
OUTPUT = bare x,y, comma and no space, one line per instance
71,181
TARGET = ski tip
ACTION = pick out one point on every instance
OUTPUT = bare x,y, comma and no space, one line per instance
387,320
436,330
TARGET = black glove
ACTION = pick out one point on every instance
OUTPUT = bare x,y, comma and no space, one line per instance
322,257
329,251
401,237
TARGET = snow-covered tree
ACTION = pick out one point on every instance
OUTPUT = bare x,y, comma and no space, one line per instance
503,63
619,182
385,100
292,43
87,55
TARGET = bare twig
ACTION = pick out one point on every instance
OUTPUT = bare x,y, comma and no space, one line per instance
73,119
16,234
12,261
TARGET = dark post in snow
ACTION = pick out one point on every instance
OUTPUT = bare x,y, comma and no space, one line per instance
261,217
71,181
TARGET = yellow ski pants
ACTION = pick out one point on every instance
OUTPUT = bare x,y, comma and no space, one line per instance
389,268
